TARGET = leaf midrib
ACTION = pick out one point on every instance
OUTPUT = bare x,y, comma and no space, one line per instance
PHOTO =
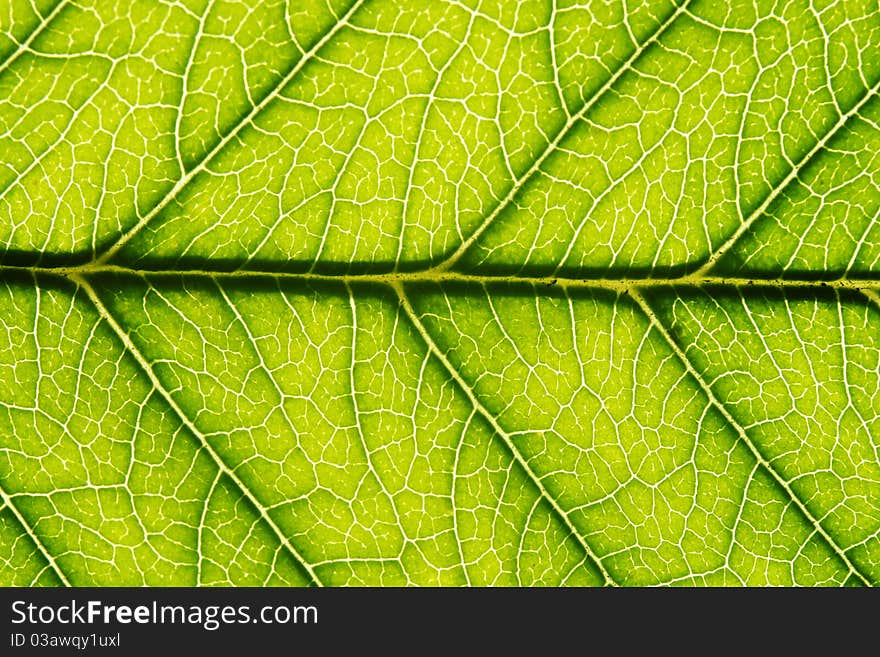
619,284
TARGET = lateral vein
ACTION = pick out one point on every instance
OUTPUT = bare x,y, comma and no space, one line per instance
44,551
780,187
201,165
551,147
505,437
25,45
743,435
184,418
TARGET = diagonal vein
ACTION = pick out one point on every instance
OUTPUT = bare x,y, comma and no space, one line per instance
7,500
783,184
245,121
188,423
743,435
551,147
873,297
499,430
25,45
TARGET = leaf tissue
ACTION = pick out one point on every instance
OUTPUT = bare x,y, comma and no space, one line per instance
439,292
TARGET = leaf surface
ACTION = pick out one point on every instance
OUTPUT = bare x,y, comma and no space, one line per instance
439,293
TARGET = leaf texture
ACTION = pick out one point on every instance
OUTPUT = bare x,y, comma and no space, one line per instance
395,292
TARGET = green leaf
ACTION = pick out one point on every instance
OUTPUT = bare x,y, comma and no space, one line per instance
347,292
